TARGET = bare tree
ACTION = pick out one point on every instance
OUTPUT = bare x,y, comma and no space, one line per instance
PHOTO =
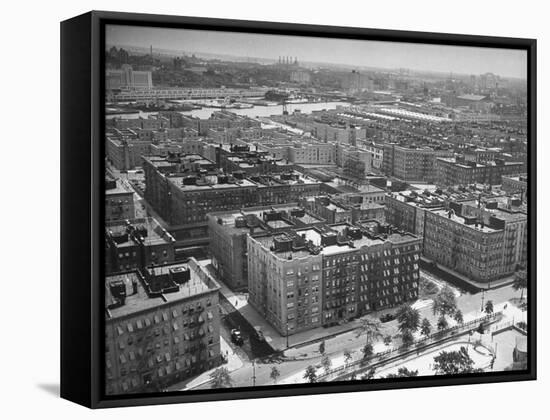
274,375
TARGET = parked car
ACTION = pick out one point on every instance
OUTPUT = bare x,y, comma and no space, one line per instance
236,337
387,318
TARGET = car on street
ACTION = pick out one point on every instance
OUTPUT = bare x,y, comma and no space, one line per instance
387,318
236,337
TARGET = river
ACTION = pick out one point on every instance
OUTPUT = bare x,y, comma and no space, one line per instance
254,112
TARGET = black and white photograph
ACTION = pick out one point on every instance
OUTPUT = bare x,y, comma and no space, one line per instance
286,210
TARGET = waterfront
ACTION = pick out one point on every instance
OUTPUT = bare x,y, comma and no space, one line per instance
257,111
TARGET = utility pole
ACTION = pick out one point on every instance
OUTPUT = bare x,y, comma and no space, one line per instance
253,372
287,335
482,300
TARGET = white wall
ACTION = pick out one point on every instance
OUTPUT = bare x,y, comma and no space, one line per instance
30,335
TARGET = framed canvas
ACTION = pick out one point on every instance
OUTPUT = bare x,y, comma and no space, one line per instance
257,209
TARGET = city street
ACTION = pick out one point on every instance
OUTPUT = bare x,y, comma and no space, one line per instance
296,359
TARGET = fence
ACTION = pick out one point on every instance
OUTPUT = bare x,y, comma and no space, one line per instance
405,350
503,326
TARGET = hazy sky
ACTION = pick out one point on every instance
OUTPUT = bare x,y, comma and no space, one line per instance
465,60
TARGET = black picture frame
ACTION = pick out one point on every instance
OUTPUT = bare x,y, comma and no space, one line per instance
82,208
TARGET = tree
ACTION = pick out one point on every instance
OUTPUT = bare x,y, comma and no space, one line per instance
442,323
489,307
458,317
371,327
408,318
274,374
221,378
322,347
310,374
327,364
407,338
426,327
522,325
369,374
403,372
480,329
520,282
388,339
367,350
347,357
444,302
454,362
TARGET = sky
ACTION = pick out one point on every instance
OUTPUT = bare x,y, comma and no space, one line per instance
389,55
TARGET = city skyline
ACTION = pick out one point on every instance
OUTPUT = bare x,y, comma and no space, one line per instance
268,224
377,54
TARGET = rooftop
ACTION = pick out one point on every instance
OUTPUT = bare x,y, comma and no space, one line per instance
253,217
124,233
142,300
116,187
329,240
470,97
463,221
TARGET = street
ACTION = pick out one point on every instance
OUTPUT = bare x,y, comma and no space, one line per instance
293,362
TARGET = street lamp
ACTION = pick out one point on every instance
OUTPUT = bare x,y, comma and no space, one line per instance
253,372
287,335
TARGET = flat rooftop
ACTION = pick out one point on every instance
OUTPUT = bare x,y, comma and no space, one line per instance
177,180
121,188
228,217
315,236
156,234
460,220
141,301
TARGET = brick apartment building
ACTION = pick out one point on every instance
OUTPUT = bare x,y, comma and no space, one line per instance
161,327
136,244
323,275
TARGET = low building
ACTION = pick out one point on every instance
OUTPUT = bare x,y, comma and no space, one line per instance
125,154
127,77
136,244
411,163
119,200
312,153
331,210
515,184
459,171
162,326
300,76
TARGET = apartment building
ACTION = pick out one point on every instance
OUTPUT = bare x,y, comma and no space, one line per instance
184,189
119,200
136,244
482,243
162,326
411,163
458,171
228,230
328,274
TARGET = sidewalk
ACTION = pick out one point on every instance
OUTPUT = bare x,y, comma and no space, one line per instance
509,312
232,365
277,341
460,280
